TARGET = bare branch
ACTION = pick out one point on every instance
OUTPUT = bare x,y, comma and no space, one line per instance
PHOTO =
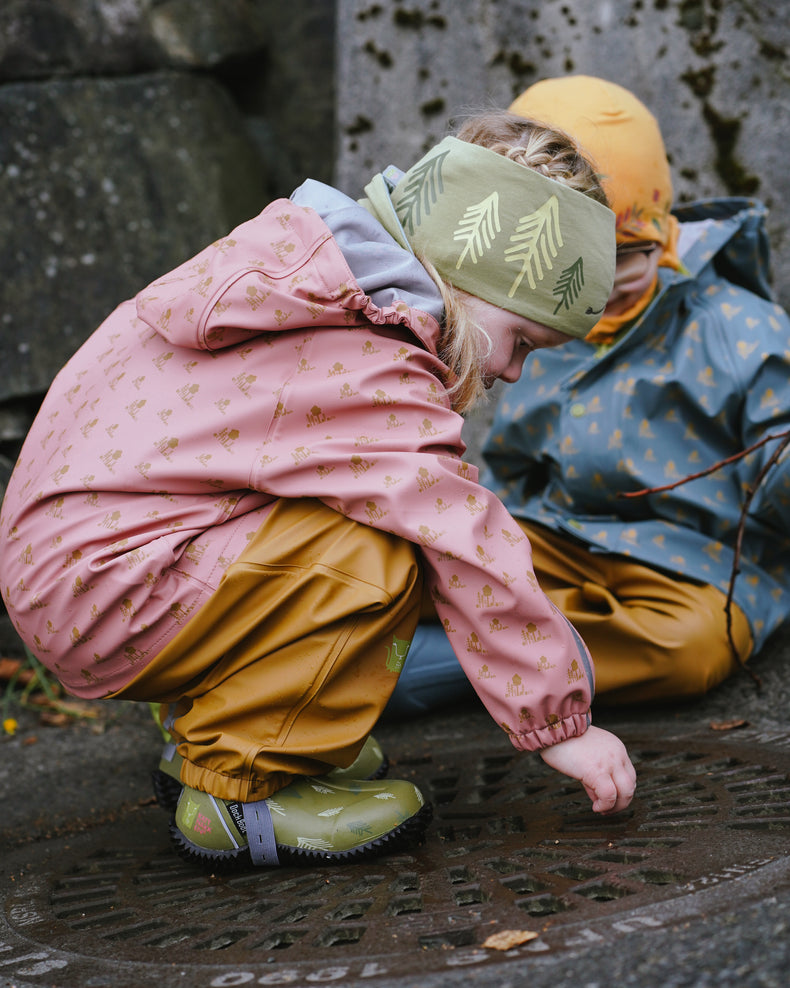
708,470
750,493
736,564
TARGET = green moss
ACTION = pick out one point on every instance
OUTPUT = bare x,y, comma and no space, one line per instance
360,126
433,107
382,56
416,19
725,135
701,82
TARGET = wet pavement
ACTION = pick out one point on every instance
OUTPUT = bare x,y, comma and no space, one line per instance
691,886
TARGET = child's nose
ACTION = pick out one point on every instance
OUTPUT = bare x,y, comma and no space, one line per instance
513,370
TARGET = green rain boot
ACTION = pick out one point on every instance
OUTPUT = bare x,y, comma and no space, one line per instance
310,821
370,763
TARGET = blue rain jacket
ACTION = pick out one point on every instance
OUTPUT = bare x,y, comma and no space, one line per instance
703,374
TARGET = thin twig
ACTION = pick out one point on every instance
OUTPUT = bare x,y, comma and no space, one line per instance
750,493
736,566
711,469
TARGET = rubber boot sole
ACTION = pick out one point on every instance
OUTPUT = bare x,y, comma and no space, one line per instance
411,831
166,789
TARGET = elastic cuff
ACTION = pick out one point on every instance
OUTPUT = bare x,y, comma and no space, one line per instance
544,737
231,787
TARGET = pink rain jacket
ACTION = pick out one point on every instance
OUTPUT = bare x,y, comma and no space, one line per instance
255,371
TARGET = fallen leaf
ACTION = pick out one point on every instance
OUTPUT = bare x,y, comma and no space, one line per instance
88,709
49,719
728,725
73,707
9,668
506,939
39,700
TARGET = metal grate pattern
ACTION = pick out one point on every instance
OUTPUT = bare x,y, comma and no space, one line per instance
512,846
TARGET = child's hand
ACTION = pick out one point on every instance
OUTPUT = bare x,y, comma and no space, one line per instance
600,762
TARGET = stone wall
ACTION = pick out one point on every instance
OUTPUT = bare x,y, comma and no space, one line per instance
715,73
133,133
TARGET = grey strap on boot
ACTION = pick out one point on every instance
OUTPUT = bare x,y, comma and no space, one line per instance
168,752
260,833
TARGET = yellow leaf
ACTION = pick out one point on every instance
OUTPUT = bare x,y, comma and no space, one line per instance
506,939
729,725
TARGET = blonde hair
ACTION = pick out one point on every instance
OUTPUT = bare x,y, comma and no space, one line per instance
464,344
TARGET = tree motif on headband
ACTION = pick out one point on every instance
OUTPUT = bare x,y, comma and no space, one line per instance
478,227
420,191
569,285
536,241
506,234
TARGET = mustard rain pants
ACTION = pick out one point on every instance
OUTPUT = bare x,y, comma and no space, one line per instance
287,667
651,636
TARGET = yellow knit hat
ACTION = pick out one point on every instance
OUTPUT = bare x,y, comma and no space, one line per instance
622,138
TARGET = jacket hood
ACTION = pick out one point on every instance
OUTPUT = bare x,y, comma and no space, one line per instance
730,235
325,229
384,270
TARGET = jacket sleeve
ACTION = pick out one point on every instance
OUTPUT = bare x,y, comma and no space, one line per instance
388,456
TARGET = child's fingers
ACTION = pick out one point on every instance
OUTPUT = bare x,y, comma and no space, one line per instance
603,793
625,779
611,793
626,784
600,762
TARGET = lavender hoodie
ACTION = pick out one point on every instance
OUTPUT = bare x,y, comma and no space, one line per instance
296,357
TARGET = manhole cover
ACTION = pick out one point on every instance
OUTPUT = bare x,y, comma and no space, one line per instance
513,846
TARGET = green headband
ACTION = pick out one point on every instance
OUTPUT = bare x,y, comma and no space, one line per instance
508,235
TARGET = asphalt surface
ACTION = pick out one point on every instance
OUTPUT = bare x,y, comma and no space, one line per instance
711,816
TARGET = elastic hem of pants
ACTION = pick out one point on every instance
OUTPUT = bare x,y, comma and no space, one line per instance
230,787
